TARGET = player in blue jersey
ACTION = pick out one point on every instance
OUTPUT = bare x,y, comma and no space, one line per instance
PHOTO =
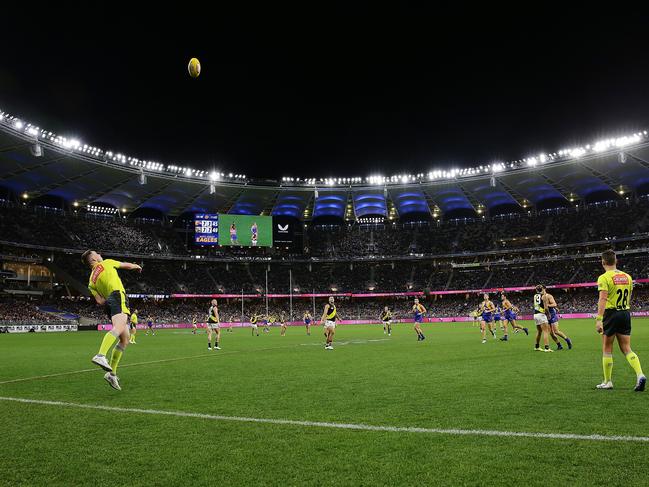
307,322
487,309
150,326
253,234
419,310
233,234
498,323
510,314
553,320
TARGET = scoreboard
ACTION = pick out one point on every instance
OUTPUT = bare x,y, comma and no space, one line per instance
206,229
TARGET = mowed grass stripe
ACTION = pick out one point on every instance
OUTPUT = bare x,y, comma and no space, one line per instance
344,426
190,357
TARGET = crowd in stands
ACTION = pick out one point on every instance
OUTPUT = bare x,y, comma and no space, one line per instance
612,221
170,310
24,310
209,277
494,253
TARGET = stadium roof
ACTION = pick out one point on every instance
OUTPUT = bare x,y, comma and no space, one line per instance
36,163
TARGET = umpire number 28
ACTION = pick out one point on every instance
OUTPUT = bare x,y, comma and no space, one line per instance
622,299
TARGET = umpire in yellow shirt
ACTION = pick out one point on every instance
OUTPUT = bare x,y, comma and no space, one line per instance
108,290
614,319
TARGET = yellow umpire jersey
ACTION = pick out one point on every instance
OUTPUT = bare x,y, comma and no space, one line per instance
619,286
105,282
104,279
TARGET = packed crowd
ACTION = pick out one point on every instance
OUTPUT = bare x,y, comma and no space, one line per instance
612,220
189,277
184,310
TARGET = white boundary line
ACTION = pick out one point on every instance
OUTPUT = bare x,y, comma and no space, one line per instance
344,426
190,357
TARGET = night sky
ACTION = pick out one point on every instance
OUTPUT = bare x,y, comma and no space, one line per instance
337,92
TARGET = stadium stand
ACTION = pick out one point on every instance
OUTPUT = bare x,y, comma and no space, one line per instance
483,228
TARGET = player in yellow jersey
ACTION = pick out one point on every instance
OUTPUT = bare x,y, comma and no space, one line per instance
108,290
614,319
329,317
253,324
282,322
475,314
386,318
133,329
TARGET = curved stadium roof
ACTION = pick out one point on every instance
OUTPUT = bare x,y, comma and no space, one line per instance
38,163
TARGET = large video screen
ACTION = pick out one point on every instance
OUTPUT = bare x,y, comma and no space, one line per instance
246,230
206,229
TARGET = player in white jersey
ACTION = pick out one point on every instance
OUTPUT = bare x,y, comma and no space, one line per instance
541,319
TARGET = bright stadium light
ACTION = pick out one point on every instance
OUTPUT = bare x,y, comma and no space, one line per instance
18,124
36,150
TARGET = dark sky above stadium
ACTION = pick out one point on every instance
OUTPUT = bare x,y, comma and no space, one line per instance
332,91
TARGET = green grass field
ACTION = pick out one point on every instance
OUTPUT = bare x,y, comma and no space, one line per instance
449,381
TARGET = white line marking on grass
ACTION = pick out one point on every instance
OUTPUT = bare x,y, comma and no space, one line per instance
97,369
150,362
344,426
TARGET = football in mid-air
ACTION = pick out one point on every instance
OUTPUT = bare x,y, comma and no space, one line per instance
194,67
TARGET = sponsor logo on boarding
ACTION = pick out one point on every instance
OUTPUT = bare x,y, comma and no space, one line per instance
282,228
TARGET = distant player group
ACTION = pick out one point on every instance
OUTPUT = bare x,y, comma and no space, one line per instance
613,320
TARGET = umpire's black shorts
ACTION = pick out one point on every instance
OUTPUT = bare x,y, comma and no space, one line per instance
617,322
116,303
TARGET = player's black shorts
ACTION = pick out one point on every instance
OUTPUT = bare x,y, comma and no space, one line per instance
617,321
116,303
